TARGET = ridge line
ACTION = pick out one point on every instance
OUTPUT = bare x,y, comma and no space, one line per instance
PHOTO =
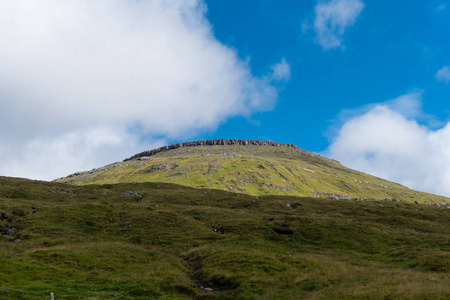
218,142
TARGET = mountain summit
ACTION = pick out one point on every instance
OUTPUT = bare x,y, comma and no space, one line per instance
221,142
252,167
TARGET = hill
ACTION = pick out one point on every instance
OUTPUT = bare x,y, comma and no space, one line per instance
252,167
166,241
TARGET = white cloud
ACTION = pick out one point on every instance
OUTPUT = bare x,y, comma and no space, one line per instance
441,7
48,157
281,71
306,26
388,142
79,77
332,18
443,74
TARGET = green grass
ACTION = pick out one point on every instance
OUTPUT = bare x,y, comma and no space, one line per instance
157,241
253,170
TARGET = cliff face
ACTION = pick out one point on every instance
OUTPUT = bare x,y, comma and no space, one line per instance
222,142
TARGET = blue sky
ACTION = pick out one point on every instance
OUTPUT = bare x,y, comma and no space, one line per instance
389,54
392,49
85,83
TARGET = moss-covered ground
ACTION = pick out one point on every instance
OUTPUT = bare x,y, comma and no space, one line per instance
165,241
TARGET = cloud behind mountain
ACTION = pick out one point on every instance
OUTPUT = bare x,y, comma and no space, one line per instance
80,77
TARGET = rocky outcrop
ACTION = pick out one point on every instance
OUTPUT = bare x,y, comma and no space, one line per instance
93,171
221,142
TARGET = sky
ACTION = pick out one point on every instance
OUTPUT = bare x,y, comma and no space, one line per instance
84,83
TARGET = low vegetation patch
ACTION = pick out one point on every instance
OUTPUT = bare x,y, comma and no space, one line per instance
166,241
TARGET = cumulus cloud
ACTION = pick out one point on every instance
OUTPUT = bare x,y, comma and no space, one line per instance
443,74
281,71
332,18
389,142
82,77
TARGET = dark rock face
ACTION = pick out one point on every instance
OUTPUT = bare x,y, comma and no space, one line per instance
221,142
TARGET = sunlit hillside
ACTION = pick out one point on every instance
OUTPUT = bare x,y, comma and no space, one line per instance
277,169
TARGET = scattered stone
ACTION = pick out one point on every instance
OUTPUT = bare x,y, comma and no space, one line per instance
9,229
161,167
231,154
383,186
443,204
288,205
334,196
134,195
58,190
280,188
218,230
126,225
416,202
305,169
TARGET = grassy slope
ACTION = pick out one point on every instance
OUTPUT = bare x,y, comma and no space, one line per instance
156,241
255,170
